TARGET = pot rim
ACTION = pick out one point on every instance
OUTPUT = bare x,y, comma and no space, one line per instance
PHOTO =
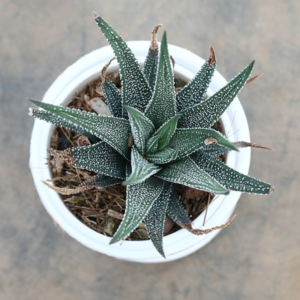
178,244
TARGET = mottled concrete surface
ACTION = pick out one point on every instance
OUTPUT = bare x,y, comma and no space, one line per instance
257,256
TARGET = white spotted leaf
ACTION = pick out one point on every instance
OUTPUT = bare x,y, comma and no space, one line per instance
53,119
113,99
100,158
150,67
186,172
162,105
141,128
195,91
162,136
214,150
114,131
176,211
136,91
230,178
209,111
163,156
103,181
155,218
141,168
187,141
139,200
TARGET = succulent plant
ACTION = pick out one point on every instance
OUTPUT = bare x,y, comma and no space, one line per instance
154,138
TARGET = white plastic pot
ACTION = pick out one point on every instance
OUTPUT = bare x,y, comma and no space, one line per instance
178,244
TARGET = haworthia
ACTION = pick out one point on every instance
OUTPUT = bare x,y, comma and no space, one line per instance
167,139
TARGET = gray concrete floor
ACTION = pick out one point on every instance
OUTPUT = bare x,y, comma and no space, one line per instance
257,256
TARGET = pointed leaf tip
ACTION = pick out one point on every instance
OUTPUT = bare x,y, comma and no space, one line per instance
212,59
154,44
95,15
271,189
141,168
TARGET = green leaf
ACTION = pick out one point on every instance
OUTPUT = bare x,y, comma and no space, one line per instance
163,157
180,84
176,210
162,136
162,106
214,150
208,112
113,99
230,178
152,144
136,91
195,91
141,168
114,131
155,218
103,181
100,158
186,172
187,141
150,66
141,128
139,199
51,118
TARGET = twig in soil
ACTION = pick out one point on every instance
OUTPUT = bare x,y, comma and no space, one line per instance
67,136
